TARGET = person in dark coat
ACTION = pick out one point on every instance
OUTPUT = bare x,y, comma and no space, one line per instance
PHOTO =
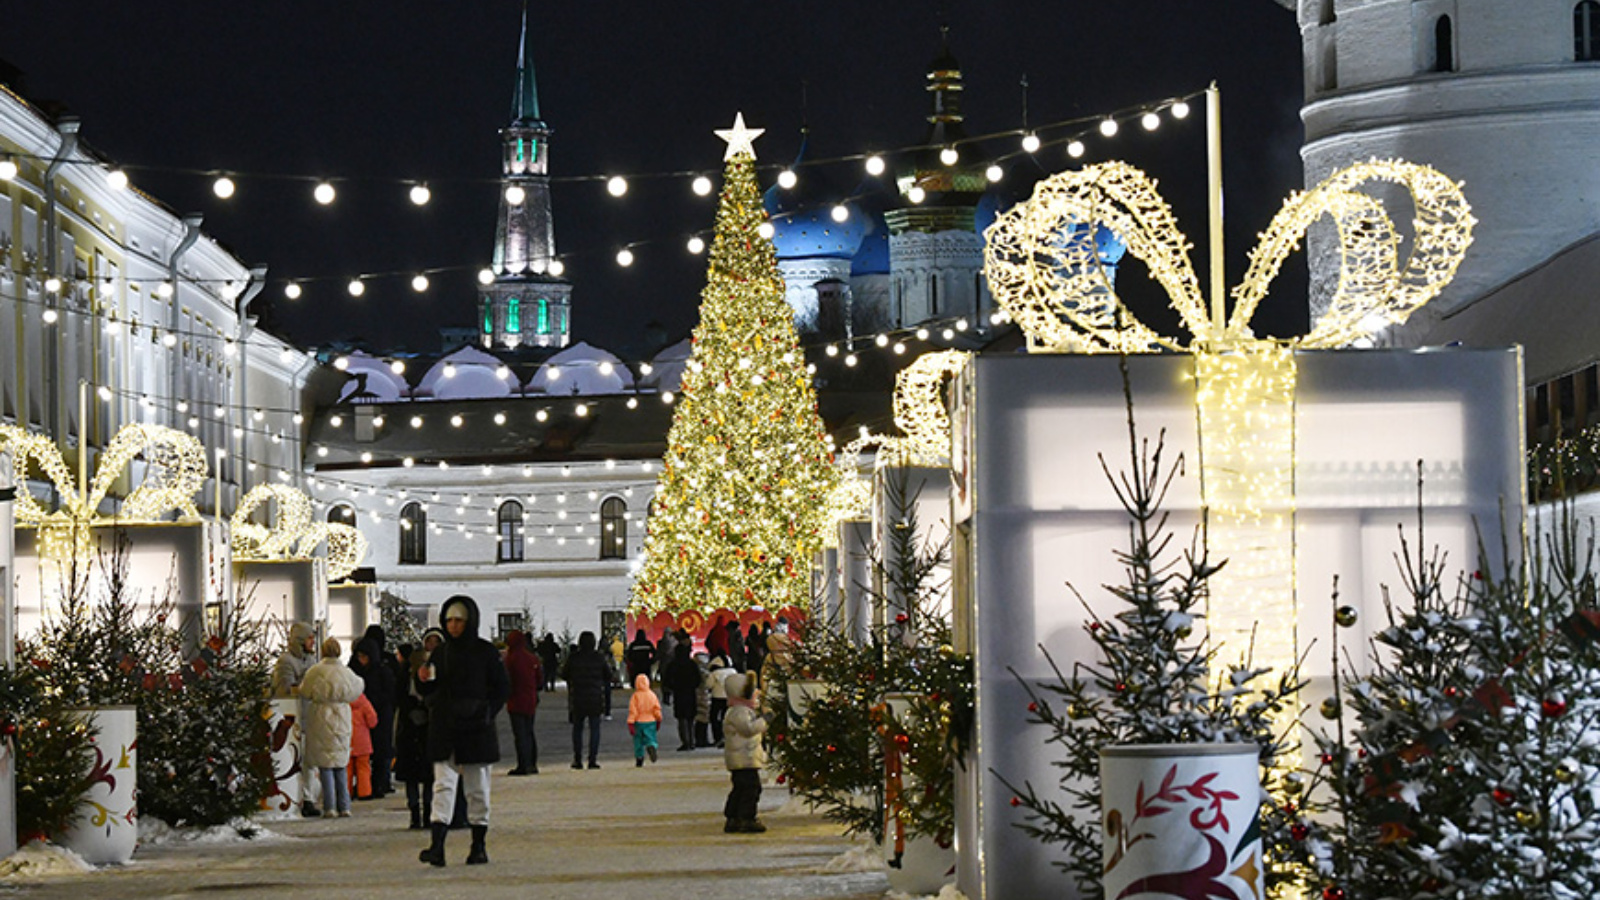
381,689
735,646
411,764
549,655
755,649
641,656
526,672
666,650
465,686
683,677
588,679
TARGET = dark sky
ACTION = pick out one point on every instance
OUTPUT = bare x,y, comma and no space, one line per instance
382,92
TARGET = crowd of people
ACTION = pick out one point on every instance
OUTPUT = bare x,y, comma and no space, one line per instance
424,716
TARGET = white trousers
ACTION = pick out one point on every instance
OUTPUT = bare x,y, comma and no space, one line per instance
473,778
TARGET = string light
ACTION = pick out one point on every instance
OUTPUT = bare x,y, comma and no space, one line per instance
1150,121
702,185
8,169
1030,143
916,194
616,185
787,179
625,257
1108,127
50,316
419,283
323,193
515,195
356,287
557,267
397,366
223,187
486,277
875,165
164,290
1075,149
994,172
292,290
420,195
52,285
117,180
949,156
1180,110
696,245
840,212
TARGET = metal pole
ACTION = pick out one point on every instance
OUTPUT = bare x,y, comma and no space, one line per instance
1219,312
83,441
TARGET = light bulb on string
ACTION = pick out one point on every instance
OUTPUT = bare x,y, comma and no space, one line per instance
1180,110
342,363
556,267
292,290
916,194
787,179
1108,127
323,193
169,340
486,277
947,334
52,284
701,185
666,397
831,350
1030,143
450,370
499,418
356,287
397,366
949,156
541,415
416,421
223,187
515,195
624,257
696,245
502,372
8,169
1075,149
50,316
875,165
850,360
420,195
922,334
645,368
766,230
164,289
117,180
881,340
994,172
1150,121
616,186
419,283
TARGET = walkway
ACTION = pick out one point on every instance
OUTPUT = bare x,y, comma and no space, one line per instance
614,832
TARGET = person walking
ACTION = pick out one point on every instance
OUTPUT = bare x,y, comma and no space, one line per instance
330,687
720,670
666,651
297,658
587,681
641,656
702,702
682,678
368,662
755,651
549,655
465,686
735,646
526,673
411,763
744,755
644,719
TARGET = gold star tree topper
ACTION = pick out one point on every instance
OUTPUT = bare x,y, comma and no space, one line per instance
739,138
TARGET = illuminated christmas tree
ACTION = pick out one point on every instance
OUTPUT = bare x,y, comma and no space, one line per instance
739,506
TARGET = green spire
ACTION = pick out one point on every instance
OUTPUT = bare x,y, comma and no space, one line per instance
525,108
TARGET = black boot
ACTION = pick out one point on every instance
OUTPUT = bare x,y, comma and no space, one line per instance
416,817
434,855
477,856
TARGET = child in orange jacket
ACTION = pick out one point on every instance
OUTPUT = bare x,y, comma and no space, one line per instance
644,717
363,718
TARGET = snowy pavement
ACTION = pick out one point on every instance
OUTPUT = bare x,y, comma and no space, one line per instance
565,833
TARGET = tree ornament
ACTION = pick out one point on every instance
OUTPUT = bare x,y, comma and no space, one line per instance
1033,707
1182,632
1553,707
1345,616
1528,818
8,728
1016,801
1299,831
1293,783
1332,893
1329,708
1564,773
1503,796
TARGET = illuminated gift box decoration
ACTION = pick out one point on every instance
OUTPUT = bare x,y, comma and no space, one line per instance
1307,456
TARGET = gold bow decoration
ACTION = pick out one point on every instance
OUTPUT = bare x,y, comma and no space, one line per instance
293,532
175,470
920,413
1044,270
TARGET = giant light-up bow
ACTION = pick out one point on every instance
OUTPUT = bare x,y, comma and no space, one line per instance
292,533
175,470
1056,290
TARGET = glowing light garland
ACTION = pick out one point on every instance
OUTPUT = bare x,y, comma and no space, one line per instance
175,470
293,533
1054,287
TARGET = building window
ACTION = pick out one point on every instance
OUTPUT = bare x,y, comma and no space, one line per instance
613,529
488,318
1444,51
343,514
1586,31
513,316
543,324
933,295
509,622
510,531
413,534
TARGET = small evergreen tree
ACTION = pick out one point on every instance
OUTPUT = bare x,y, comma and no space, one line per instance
51,746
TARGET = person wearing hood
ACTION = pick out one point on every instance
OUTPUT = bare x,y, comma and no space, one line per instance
641,656
681,678
743,754
526,672
293,664
465,685
588,680
411,764
330,687
549,658
368,661
644,718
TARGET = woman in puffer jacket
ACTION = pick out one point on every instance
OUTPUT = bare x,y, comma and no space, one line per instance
330,687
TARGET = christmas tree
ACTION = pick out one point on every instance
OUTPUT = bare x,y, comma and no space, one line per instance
738,506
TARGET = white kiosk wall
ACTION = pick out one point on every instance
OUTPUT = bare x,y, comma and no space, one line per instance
284,591
1034,512
855,577
8,640
898,494
350,607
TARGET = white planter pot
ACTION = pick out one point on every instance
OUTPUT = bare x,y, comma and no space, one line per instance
106,828
801,693
924,868
287,743
1179,819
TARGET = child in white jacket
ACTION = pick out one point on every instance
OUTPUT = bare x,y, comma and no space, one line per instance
743,754
330,687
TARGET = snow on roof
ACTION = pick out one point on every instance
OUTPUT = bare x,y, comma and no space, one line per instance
582,369
666,370
371,381
466,374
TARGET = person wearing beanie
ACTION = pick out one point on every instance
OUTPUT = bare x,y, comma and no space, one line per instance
330,687
743,754
296,660
465,685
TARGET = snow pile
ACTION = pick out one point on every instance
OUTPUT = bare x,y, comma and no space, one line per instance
948,892
41,859
795,805
863,857
154,833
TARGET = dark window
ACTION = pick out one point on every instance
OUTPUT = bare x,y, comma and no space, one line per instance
343,514
1541,407
1586,31
1567,394
510,531
413,534
1444,51
613,529
1591,395
509,622
933,295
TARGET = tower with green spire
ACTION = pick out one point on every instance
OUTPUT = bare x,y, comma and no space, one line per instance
527,303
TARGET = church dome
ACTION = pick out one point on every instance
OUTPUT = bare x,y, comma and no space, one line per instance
802,216
994,201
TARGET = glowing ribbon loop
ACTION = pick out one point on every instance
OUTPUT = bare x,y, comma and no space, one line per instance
175,470
292,533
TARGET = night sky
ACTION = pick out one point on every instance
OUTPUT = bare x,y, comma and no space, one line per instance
381,93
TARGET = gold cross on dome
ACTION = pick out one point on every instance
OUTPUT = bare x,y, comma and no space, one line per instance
739,138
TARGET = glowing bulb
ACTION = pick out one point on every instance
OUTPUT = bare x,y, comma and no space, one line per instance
617,186
961,324
52,284
419,283
485,277
456,420
633,403
164,290
398,367
502,372
416,421
766,230
875,165
356,287
624,257
1030,143
666,397
696,245
947,334
420,195
994,172
499,418
1075,149
292,290
850,360
1150,121
169,340
787,179
335,421
881,340
515,195
916,194
831,350
104,392
8,169
449,370
1180,110
922,334
582,410
223,187
646,368
702,185
557,267
840,212
259,415
323,193
899,348
366,457
541,415
117,180
606,368
1108,127
50,316
949,156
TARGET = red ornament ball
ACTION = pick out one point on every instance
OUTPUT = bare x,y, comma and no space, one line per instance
1503,796
902,741
832,749
1016,801
1451,691
1553,708
1121,686
1033,707
1327,759
1299,831
1332,893
1094,626
778,738
8,729
783,779
900,618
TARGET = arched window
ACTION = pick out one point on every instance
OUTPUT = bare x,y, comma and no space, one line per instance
514,316
613,529
343,514
1586,31
510,531
413,534
1444,49
933,295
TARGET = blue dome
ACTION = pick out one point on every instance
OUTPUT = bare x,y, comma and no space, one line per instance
812,233
873,257
993,202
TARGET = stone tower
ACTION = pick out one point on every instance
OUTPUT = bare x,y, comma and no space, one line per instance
528,303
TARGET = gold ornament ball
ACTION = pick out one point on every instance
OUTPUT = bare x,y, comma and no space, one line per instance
1293,783
1345,616
1564,774
946,650
1182,632
1529,818
1330,708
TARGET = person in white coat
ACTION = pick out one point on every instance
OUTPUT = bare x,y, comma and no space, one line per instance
330,687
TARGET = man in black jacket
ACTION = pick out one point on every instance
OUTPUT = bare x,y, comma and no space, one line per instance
371,662
464,685
588,680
